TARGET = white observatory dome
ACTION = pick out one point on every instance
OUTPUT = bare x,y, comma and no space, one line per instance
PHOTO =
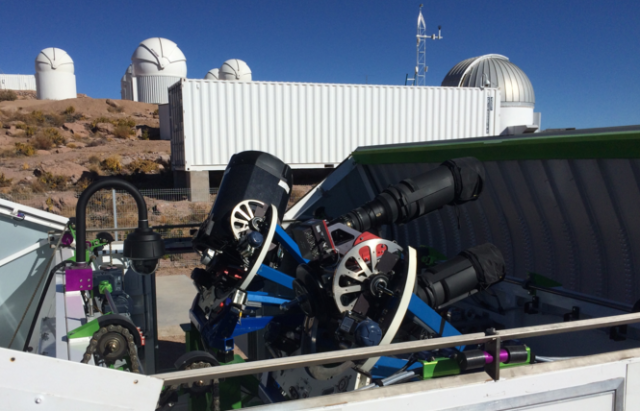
157,64
159,57
517,98
55,78
213,74
235,70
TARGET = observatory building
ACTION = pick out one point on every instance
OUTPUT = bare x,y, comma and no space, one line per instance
213,74
517,98
55,78
234,70
126,91
157,64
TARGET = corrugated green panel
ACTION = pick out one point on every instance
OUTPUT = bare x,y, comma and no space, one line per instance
622,144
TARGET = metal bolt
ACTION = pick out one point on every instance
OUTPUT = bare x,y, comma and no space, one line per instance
135,381
38,400
13,359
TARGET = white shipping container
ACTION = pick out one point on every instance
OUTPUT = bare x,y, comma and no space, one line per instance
312,125
17,82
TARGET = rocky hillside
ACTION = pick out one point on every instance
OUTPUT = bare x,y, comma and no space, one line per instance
63,145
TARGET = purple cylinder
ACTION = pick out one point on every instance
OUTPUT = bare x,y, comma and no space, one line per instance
504,356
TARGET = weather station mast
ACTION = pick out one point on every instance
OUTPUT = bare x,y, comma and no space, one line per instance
421,51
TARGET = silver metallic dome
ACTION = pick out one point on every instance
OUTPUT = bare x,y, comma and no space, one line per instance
493,70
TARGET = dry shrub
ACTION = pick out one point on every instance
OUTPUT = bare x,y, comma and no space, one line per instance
53,182
94,159
112,164
145,134
98,120
5,182
122,131
25,149
142,166
29,131
71,145
129,122
42,142
37,186
69,110
9,153
25,166
8,95
83,183
54,134
95,168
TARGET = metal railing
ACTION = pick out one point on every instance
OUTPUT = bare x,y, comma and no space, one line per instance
492,343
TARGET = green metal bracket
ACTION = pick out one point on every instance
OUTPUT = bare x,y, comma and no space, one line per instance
430,256
105,285
85,330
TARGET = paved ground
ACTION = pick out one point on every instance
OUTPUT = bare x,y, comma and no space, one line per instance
174,295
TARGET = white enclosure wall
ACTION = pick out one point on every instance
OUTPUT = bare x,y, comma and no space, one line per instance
17,82
310,125
515,116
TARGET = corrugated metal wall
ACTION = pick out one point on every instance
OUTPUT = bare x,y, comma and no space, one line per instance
17,82
310,124
575,221
153,89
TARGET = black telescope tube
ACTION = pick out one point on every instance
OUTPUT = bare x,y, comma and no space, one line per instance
109,182
453,182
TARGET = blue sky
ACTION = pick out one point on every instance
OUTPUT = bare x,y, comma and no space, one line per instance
582,56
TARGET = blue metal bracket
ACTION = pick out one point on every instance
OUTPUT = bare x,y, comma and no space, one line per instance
289,245
431,318
264,298
276,276
250,324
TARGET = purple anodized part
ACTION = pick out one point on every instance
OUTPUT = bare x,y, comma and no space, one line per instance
79,278
504,356
67,239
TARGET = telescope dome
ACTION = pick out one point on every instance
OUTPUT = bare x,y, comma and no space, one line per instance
159,57
54,59
235,70
495,71
213,74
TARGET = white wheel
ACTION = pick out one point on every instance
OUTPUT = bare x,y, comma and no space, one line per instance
241,216
355,267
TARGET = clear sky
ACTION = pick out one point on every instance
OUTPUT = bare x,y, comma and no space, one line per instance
582,56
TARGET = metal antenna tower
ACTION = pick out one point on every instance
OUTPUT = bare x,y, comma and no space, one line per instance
421,50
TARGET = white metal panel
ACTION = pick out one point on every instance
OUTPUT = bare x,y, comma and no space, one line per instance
312,124
585,383
17,82
35,381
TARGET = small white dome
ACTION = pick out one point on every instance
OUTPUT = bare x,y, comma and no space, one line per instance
53,59
127,73
159,57
235,70
212,74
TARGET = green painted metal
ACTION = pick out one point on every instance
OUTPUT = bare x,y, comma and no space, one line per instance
85,330
614,144
439,367
542,281
105,285
444,366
